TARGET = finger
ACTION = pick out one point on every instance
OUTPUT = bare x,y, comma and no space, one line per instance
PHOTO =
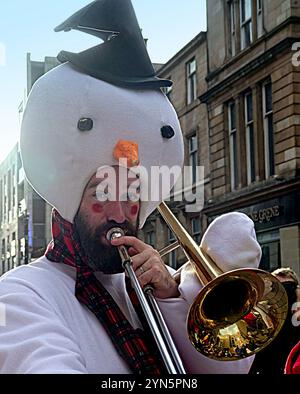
151,266
141,270
141,258
153,276
136,243
145,279
151,258
132,252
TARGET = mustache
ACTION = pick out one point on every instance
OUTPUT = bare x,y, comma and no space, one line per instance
127,227
101,256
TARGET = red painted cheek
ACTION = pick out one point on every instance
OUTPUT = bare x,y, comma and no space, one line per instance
97,208
134,210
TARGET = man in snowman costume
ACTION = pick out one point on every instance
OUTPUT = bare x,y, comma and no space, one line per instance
73,310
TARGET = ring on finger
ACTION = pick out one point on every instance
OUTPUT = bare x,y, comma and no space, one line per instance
142,270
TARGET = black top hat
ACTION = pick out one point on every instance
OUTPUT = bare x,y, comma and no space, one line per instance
122,59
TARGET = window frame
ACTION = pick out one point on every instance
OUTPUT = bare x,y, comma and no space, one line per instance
172,257
193,156
232,133
244,23
191,78
196,234
3,254
232,27
259,17
150,238
250,139
269,147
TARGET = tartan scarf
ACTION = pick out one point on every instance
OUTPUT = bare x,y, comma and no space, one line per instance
135,346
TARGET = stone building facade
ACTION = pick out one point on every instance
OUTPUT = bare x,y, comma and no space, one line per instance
9,217
25,217
187,70
253,104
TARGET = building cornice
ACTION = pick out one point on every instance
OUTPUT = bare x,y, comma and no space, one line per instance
244,198
253,66
291,20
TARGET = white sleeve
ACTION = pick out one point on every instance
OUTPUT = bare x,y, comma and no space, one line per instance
175,311
33,339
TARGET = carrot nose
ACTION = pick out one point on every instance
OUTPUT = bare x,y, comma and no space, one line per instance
127,150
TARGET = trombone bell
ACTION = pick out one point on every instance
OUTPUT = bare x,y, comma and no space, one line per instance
237,314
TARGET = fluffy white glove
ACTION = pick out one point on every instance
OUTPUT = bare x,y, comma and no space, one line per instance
230,240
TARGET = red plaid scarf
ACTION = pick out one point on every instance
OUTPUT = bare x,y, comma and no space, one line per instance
136,347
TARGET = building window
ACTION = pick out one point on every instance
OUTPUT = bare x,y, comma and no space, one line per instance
191,81
196,229
259,10
232,29
9,194
268,130
193,157
233,145
173,254
5,207
150,238
21,175
250,146
14,199
270,246
8,253
13,250
14,196
246,23
5,210
3,254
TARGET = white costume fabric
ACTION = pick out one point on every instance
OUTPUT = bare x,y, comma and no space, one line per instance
48,331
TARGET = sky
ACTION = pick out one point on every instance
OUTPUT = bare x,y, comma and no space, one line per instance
27,26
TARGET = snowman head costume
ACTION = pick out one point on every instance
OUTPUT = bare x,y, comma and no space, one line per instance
78,113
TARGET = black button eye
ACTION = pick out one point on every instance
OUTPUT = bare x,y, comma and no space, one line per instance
167,132
85,124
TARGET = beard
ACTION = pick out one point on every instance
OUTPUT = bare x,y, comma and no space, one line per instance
101,257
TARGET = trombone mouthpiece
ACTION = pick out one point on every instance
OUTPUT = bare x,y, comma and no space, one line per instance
113,233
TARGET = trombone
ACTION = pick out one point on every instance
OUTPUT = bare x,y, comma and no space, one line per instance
235,315
151,311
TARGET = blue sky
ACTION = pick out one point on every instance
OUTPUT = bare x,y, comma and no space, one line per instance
27,26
